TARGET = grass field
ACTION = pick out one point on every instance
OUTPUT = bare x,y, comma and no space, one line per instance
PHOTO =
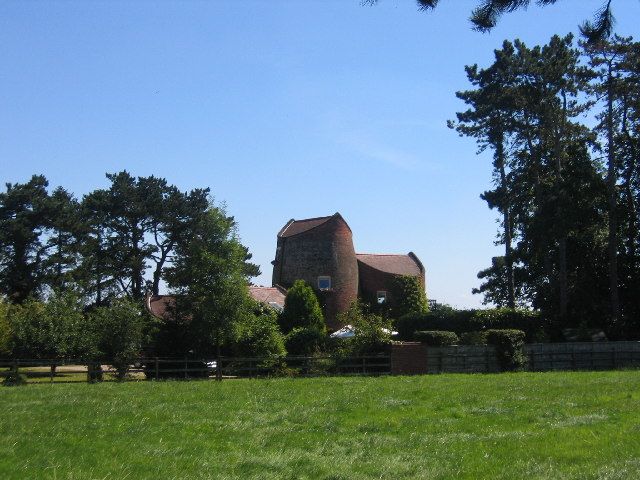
524,425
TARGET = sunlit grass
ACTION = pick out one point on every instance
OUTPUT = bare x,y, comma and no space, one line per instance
525,425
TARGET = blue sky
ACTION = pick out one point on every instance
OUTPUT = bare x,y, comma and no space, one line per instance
285,109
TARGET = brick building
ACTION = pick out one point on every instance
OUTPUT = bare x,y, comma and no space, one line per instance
320,251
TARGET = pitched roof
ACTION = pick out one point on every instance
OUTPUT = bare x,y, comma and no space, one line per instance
390,263
163,306
268,295
294,227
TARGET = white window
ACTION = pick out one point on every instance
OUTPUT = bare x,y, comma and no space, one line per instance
324,283
382,297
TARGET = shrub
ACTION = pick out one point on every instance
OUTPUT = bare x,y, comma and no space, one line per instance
509,345
121,332
473,338
305,341
5,330
14,379
436,338
259,336
301,309
372,333
407,296
51,329
461,321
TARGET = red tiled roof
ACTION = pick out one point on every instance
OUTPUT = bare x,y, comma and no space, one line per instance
294,227
396,264
162,306
268,294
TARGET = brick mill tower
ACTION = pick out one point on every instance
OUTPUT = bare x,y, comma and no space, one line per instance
320,252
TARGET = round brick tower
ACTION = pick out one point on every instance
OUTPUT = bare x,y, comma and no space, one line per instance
320,252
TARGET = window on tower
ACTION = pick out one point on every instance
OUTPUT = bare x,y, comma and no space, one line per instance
324,283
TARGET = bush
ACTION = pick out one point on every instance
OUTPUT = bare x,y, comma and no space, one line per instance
407,296
14,379
305,341
473,338
372,333
121,332
301,309
461,321
259,336
5,330
436,338
509,348
51,329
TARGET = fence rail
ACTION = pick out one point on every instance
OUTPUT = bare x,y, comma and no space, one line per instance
157,368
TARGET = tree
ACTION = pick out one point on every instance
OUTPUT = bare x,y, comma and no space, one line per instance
64,227
52,329
24,214
372,332
209,278
120,333
615,87
407,296
258,335
301,309
486,15
5,329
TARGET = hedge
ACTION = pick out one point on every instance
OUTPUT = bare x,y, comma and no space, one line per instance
436,338
509,345
461,321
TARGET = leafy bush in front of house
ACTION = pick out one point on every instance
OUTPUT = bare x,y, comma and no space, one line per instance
305,341
473,338
436,338
260,336
372,333
509,345
301,309
408,296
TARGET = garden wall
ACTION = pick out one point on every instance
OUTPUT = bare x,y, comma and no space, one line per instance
414,358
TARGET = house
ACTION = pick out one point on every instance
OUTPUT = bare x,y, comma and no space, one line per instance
162,306
320,251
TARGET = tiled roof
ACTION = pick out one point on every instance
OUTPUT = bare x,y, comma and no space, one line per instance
295,227
162,306
396,264
268,295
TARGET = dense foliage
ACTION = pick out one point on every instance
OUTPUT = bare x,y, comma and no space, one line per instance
461,321
566,190
301,309
436,338
408,295
509,348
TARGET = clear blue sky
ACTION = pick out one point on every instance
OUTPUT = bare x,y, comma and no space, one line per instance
286,109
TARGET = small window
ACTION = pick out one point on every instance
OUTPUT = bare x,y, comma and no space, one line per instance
382,297
324,283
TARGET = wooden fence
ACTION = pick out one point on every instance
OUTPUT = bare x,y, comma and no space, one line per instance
157,368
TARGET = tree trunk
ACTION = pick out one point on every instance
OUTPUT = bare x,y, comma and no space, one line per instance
612,201
506,215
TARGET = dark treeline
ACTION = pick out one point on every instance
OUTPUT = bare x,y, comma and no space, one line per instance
563,124
120,241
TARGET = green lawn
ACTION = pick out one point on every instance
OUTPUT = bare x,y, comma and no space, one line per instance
524,425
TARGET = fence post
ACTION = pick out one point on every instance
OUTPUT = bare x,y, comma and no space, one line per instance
185,367
52,370
157,369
